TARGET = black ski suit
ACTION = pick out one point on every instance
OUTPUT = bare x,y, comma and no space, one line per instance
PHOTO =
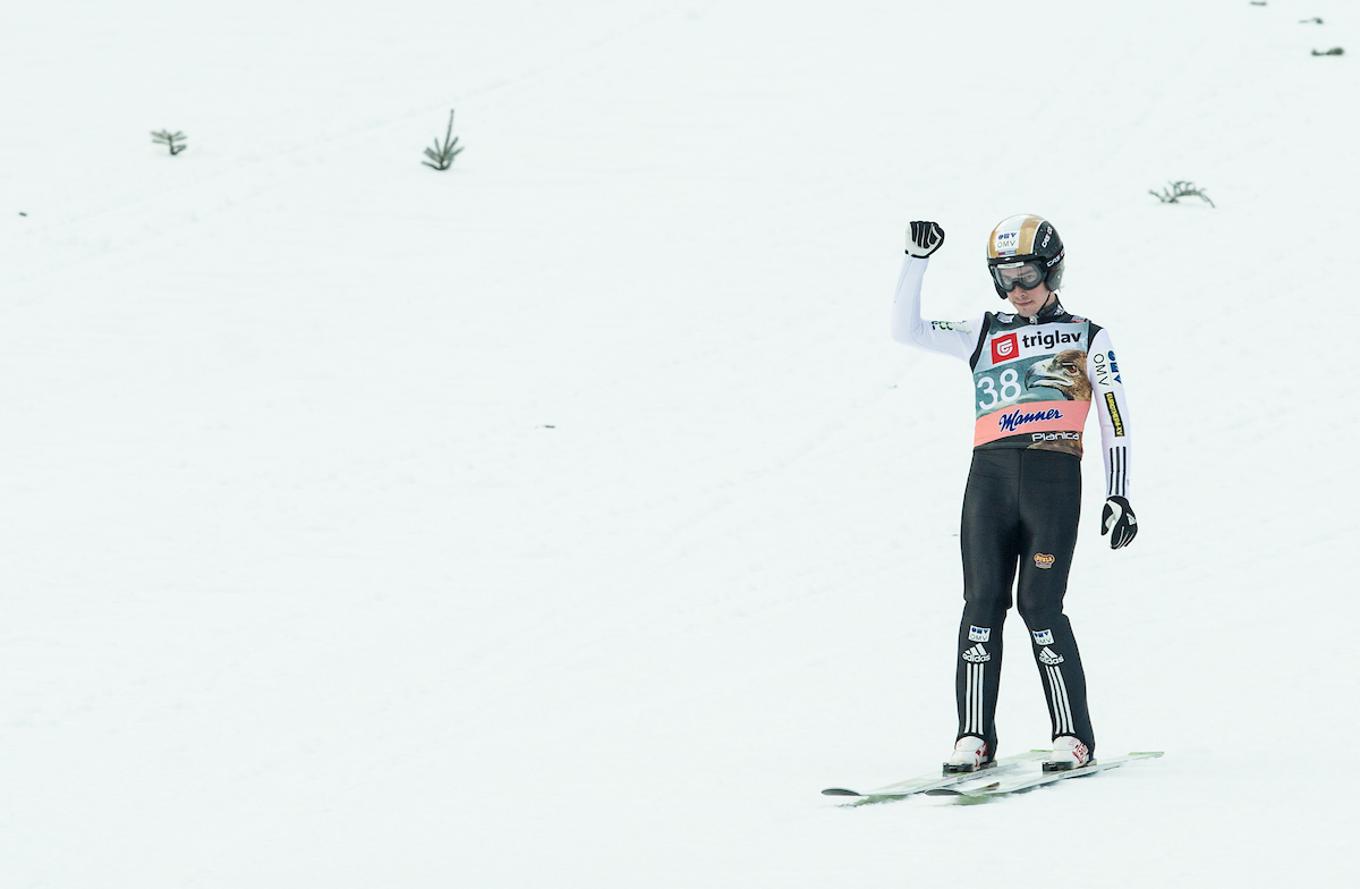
1035,380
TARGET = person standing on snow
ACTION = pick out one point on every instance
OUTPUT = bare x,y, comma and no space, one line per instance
1036,373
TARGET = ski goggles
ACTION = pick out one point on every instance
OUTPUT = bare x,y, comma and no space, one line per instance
1027,275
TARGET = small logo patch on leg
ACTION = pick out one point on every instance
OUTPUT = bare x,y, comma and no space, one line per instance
977,655
1042,637
1043,560
979,634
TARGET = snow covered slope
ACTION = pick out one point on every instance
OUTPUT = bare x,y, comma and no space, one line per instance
546,522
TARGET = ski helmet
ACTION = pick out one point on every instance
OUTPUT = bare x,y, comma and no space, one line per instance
1025,249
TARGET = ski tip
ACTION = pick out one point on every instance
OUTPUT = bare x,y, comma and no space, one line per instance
1148,754
840,791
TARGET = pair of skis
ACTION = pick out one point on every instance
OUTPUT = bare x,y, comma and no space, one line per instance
1006,775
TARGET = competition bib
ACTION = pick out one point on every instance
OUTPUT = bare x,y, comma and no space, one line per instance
1030,385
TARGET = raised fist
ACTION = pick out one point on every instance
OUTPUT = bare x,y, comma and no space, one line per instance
924,238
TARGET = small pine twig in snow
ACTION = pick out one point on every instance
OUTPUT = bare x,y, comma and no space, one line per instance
1180,188
443,153
173,140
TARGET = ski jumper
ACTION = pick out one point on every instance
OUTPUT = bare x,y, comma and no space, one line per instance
1034,382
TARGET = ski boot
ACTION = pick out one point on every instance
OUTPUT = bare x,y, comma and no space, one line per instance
1068,753
970,755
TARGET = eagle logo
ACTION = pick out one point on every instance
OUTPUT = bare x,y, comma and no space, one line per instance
1065,372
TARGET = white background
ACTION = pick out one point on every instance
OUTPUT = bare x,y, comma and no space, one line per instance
570,519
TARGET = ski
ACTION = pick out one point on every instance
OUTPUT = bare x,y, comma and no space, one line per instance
926,783
1028,782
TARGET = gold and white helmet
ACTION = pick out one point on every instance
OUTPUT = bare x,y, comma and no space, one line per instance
1025,250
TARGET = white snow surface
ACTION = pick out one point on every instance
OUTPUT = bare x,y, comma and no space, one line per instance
569,518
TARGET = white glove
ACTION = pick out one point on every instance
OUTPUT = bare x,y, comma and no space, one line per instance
924,238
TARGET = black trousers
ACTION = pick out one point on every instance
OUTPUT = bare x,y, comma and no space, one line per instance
1021,506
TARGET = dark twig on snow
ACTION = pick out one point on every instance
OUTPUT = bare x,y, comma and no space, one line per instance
1180,188
1334,51
443,153
174,140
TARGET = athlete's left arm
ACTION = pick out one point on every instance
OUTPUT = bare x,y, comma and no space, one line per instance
1112,407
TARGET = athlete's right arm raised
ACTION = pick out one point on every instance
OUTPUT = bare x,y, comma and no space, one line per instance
958,338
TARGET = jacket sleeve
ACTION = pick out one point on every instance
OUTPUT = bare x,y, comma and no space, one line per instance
1112,407
957,338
